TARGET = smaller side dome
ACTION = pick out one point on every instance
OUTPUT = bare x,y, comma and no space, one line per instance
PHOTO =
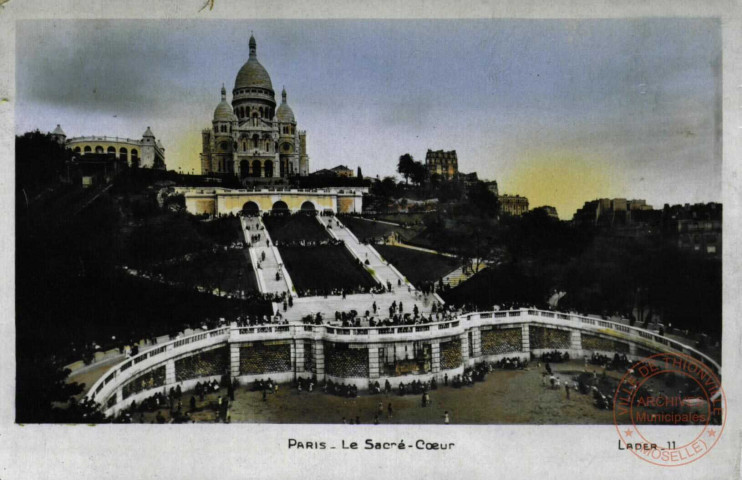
223,111
284,112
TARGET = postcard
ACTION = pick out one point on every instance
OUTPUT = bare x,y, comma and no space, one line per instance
263,241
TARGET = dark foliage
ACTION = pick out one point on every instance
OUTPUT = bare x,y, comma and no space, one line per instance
41,162
599,272
323,182
418,267
69,292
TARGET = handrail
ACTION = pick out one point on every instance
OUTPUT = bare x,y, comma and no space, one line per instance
103,139
606,324
450,326
116,370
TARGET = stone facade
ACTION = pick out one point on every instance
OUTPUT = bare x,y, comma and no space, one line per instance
358,355
513,204
251,138
444,164
146,153
224,201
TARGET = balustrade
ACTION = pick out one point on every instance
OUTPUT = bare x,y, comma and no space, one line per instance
503,336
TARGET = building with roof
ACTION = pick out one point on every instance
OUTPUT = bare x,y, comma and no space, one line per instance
251,138
610,212
515,205
548,210
343,171
492,187
339,171
146,152
443,164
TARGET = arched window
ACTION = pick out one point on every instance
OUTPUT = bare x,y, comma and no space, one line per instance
98,149
134,153
111,151
260,110
123,154
256,168
88,149
308,207
77,150
255,141
268,168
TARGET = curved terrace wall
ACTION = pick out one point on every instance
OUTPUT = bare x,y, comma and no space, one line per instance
285,352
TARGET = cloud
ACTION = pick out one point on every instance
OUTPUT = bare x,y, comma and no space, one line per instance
643,95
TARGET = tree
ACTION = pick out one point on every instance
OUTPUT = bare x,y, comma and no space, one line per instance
483,200
406,166
359,174
418,173
386,188
43,394
40,162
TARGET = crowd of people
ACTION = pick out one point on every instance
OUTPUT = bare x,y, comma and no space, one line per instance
416,387
265,386
258,320
470,375
306,384
397,317
554,356
300,242
327,292
254,238
617,362
511,363
172,401
340,389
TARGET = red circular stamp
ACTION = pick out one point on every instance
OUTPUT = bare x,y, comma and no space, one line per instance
669,409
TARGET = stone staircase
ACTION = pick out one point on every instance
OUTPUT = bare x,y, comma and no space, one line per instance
266,256
458,276
382,271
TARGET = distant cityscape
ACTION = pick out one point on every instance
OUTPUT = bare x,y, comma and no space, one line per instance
698,226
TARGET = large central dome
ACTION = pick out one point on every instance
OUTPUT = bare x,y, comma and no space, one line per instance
252,73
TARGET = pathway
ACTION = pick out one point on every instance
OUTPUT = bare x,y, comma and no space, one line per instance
266,261
459,276
381,270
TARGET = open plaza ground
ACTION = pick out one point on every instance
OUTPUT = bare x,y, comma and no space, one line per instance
504,397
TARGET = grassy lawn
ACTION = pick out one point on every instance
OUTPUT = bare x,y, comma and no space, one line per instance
367,229
324,267
229,271
404,218
419,267
167,235
284,228
221,231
